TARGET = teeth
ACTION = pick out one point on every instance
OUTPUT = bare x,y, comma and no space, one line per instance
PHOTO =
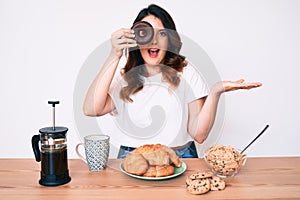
153,50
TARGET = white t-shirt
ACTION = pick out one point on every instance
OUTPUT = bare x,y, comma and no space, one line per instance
157,115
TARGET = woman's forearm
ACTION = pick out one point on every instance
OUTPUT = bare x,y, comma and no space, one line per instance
96,101
205,119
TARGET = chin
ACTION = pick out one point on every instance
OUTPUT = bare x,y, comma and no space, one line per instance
153,63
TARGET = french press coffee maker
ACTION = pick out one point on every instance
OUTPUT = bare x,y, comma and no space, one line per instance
53,153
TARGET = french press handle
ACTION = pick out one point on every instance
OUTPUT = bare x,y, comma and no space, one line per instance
35,146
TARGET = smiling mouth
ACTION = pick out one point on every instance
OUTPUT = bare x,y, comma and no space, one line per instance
153,53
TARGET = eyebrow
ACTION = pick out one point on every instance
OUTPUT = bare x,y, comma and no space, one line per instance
157,29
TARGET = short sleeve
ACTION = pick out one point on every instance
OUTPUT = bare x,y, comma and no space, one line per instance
196,85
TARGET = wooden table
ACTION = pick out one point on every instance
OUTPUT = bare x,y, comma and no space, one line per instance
261,178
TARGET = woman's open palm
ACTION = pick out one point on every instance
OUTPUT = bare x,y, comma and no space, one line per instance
227,86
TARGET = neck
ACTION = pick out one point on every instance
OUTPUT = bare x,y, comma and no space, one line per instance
153,69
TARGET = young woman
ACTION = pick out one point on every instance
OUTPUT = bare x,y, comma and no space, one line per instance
155,74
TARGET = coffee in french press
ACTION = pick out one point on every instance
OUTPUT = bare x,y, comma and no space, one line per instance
53,154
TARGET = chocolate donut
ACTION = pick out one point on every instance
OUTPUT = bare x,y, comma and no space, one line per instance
143,32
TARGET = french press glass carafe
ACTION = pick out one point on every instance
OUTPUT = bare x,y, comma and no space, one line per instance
53,153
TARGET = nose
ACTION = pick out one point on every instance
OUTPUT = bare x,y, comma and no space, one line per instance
154,39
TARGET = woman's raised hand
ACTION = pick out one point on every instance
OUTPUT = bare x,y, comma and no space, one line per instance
121,39
226,86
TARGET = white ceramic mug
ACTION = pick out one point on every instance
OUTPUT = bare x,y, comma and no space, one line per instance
96,151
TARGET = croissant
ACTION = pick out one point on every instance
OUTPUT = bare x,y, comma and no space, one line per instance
151,161
135,164
159,171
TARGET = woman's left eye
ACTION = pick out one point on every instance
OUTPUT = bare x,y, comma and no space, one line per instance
163,33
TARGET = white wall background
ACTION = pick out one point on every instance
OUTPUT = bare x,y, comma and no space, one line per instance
43,45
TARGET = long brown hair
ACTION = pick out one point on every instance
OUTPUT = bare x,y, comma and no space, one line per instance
172,64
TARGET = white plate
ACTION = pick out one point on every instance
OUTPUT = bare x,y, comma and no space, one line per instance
177,171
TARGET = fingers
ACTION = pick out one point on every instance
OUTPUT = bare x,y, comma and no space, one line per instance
241,84
122,39
251,85
125,40
124,32
123,36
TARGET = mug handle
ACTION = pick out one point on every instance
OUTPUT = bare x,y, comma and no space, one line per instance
77,152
